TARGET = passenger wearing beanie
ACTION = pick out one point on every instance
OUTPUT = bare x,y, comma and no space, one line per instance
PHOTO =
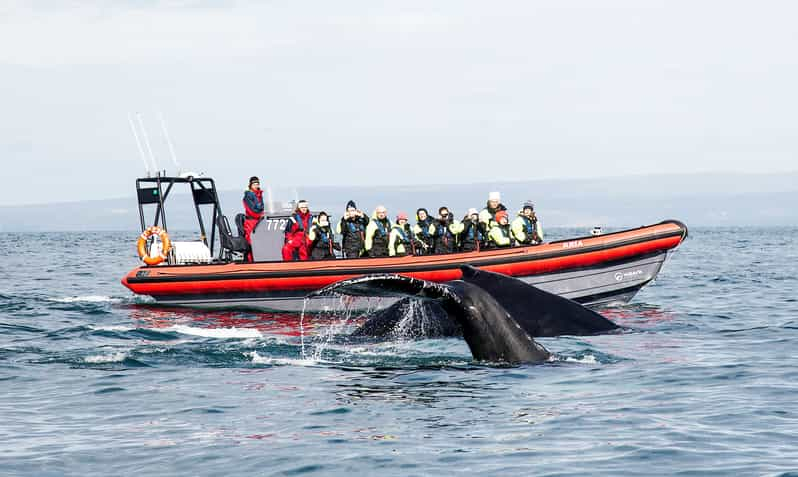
352,228
400,242
446,231
526,228
472,238
377,233
296,243
253,209
500,235
488,214
321,239
424,232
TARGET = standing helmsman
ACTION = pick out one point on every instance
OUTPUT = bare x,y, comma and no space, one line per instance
253,209
526,227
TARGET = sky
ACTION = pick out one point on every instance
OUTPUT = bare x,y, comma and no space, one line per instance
308,93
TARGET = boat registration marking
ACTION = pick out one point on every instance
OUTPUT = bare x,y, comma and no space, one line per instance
275,224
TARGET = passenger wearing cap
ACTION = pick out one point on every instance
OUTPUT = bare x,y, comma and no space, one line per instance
424,232
296,243
321,239
253,209
488,214
472,237
526,228
377,233
446,231
500,235
352,228
400,242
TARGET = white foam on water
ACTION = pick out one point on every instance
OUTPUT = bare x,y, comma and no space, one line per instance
106,358
587,359
258,359
87,299
112,328
214,332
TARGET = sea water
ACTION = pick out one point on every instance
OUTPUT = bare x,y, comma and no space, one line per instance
94,381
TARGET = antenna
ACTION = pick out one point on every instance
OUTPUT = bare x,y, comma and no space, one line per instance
146,141
269,198
169,143
138,144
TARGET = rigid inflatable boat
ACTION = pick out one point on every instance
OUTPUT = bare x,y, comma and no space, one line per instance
592,270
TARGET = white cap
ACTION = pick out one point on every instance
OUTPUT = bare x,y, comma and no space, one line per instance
494,196
472,211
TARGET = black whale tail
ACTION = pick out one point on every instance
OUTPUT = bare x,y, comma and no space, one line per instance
540,313
489,330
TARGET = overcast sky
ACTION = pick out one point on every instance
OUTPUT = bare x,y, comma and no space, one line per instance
368,92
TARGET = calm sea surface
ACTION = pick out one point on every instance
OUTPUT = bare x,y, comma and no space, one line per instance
96,382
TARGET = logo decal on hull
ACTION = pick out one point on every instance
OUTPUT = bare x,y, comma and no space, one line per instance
621,275
572,244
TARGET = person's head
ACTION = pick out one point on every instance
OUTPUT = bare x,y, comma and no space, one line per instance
494,198
254,183
422,214
401,218
351,207
381,212
529,209
302,206
501,217
473,214
443,212
323,218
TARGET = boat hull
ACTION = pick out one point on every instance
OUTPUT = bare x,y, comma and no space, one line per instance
591,270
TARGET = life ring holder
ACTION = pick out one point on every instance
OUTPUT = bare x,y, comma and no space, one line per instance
166,245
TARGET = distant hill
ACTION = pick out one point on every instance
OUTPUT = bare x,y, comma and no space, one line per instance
710,199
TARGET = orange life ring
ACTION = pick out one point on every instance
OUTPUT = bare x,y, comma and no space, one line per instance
166,245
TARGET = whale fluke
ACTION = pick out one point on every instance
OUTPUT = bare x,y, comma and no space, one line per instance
540,313
489,330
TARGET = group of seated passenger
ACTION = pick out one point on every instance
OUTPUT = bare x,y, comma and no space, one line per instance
308,237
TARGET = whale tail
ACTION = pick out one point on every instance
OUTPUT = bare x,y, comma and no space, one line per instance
489,330
540,313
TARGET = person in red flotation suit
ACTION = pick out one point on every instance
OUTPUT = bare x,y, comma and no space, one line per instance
296,243
253,208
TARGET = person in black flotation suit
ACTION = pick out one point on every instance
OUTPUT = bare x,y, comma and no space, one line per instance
321,239
352,228
253,209
446,228
424,231
377,232
472,237
296,243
